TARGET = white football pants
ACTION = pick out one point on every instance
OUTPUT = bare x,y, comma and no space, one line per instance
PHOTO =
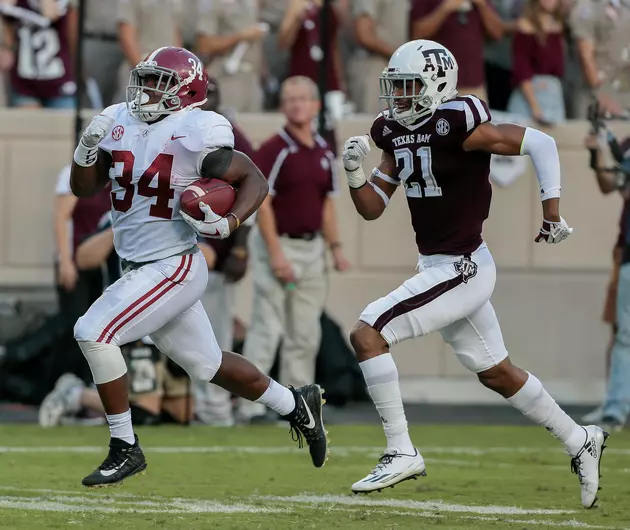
161,300
450,294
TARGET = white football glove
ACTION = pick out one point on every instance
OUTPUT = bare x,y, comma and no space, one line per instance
97,130
86,152
213,226
354,151
554,232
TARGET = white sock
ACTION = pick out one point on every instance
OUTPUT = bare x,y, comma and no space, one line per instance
381,376
278,398
120,426
536,403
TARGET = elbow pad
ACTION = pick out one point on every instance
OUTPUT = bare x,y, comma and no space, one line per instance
544,154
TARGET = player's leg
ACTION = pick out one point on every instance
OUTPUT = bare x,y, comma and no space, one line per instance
140,302
213,404
445,291
478,343
189,341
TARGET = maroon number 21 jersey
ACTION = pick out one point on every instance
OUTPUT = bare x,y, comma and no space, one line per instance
448,189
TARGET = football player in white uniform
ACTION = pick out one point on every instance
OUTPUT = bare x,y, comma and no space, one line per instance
438,147
152,148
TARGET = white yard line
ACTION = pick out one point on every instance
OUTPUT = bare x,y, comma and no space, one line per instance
79,503
108,503
436,506
349,449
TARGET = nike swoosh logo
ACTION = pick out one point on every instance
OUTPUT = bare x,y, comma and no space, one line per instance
109,473
176,137
311,423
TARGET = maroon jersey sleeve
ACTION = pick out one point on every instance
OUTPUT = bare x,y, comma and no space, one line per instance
379,133
382,132
461,116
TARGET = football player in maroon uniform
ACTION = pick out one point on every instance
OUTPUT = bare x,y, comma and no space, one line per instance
437,146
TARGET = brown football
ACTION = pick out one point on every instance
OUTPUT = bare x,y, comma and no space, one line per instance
217,194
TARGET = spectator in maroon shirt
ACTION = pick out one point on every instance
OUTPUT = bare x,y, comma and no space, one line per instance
295,223
538,63
300,34
43,35
461,26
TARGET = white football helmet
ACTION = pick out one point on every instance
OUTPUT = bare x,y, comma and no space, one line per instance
420,76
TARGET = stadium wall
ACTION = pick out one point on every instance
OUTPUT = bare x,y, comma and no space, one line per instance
549,298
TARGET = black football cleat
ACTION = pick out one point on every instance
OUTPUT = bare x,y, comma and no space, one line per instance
123,461
307,422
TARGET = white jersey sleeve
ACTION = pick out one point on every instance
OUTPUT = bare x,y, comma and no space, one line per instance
206,132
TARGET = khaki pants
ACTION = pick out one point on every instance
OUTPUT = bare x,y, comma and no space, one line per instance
212,403
293,315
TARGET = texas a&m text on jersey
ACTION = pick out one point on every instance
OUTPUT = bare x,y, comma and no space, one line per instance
431,164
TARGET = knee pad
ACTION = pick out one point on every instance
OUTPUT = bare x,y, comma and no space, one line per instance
106,361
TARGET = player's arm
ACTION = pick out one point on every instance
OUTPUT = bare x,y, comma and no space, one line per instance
236,169
90,167
86,181
370,198
513,140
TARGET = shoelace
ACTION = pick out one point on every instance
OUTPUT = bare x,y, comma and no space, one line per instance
576,467
576,464
383,461
114,458
297,434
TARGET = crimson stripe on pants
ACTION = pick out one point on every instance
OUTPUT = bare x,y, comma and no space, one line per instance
158,289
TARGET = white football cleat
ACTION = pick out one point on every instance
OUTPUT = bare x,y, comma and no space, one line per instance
393,467
586,464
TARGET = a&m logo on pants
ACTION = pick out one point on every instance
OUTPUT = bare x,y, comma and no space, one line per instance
466,268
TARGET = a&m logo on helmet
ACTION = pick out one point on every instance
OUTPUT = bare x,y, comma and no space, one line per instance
436,59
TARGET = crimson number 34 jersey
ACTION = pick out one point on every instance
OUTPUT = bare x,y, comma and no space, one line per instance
152,164
448,189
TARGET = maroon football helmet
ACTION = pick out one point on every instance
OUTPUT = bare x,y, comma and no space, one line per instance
166,81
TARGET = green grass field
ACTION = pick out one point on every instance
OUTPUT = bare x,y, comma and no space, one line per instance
255,477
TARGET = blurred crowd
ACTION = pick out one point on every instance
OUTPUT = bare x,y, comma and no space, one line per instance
544,60
538,58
